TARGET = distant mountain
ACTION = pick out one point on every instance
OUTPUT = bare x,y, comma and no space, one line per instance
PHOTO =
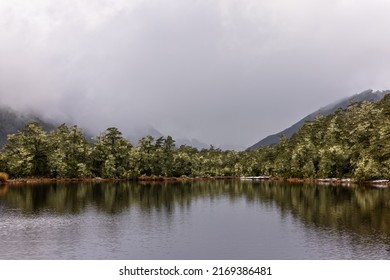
138,133
12,121
191,142
329,109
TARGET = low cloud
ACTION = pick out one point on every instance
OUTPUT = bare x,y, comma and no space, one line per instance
224,72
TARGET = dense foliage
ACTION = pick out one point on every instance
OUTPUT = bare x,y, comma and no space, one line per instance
349,143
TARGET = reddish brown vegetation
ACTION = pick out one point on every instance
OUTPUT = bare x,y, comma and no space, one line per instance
3,177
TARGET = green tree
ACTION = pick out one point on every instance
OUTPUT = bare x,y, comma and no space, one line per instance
69,153
167,156
26,152
146,150
111,155
183,161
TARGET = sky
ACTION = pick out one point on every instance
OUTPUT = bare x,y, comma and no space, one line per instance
226,72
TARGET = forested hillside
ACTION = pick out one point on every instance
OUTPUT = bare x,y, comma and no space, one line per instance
348,143
367,95
354,143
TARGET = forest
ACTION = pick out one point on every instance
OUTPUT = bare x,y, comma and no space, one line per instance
351,143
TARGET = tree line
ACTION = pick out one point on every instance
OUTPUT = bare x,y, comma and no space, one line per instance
352,143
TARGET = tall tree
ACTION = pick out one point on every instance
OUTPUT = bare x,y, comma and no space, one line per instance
26,152
69,152
111,155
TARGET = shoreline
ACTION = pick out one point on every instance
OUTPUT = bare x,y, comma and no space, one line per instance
19,181
330,181
157,179
58,180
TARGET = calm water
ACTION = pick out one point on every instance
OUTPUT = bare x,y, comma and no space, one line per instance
197,220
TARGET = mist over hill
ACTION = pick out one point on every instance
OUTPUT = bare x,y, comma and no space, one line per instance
11,121
368,95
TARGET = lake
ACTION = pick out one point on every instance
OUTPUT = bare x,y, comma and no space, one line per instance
194,220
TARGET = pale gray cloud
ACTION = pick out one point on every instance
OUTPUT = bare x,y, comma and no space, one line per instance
225,72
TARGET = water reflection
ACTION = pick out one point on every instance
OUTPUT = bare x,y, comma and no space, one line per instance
359,209
114,197
194,220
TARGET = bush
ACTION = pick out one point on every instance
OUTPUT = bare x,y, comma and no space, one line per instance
3,177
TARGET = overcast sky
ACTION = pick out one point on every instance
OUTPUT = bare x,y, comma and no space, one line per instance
222,71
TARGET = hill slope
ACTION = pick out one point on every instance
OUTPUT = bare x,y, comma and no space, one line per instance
12,121
368,95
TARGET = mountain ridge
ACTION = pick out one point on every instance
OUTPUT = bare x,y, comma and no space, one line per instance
326,110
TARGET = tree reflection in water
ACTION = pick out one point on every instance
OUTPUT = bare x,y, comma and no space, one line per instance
361,210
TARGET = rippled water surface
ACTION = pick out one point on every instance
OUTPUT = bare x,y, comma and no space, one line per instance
196,220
